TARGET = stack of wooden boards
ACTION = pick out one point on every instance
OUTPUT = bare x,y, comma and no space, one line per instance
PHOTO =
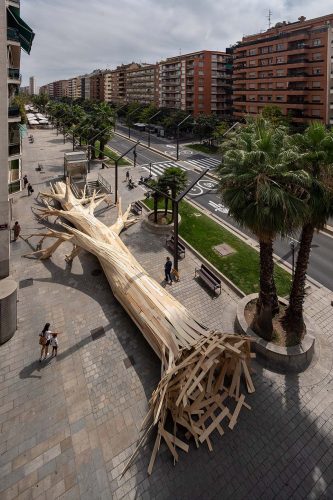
202,393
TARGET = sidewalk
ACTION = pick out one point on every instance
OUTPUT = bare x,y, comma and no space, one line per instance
69,424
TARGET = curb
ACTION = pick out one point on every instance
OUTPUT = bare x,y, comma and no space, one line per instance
223,278
328,230
286,359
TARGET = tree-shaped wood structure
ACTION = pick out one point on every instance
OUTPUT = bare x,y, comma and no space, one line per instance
200,387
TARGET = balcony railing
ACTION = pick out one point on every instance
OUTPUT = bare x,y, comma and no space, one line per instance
14,74
13,111
12,34
14,149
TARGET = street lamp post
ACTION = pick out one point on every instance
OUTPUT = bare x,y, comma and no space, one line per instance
158,112
176,202
116,169
178,126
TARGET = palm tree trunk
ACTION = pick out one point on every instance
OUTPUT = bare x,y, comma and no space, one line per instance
262,322
274,297
155,207
293,319
166,206
101,150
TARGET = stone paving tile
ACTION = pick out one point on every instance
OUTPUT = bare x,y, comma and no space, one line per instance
68,425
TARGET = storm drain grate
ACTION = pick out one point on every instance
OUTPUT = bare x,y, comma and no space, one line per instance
27,282
97,333
129,361
96,272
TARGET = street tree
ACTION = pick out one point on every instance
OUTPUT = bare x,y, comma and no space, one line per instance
263,190
175,180
315,146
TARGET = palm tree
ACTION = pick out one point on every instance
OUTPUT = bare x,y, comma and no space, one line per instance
263,190
175,180
316,148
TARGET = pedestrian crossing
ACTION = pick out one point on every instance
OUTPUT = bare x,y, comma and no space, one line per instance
204,162
158,168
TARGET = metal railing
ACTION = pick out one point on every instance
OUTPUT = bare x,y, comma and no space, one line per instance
14,73
13,111
103,182
12,34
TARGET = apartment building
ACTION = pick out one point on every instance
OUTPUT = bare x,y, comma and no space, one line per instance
289,65
119,82
14,35
108,86
32,86
97,87
141,84
74,87
199,83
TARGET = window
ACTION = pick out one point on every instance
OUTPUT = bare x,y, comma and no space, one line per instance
316,42
252,75
279,60
200,89
280,85
316,85
253,62
264,50
201,73
317,56
252,86
270,48
261,98
279,98
252,52
269,98
252,109
200,64
316,71
315,112
316,98
280,46
252,97
280,72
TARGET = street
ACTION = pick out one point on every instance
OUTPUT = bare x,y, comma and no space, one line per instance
321,262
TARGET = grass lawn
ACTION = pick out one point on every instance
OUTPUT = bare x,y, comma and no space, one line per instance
203,148
113,155
241,267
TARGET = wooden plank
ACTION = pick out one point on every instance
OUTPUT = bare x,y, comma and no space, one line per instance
248,379
213,425
233,421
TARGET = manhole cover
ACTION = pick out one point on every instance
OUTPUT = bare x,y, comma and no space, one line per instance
129,361
97,333
96,272
25,283
224,249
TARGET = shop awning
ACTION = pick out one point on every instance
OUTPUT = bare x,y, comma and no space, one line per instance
25,33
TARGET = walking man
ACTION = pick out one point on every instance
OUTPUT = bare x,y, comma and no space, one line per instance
30,189
17,230
127,175
167,270
25,180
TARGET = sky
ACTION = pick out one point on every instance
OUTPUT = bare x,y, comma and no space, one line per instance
75,37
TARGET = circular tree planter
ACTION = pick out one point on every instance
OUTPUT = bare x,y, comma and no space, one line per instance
293,359
158,228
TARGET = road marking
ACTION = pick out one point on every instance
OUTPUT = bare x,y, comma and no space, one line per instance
218,207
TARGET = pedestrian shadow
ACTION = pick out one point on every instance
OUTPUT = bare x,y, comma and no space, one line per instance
36,366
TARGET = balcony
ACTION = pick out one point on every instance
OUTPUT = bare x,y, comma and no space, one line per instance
14,74
14,112
14,149
13,35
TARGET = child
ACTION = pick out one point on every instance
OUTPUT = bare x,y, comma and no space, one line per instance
54,344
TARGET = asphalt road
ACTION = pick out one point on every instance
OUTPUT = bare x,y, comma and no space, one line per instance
321,259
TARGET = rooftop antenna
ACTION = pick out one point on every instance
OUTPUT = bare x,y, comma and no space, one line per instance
180,52
269,17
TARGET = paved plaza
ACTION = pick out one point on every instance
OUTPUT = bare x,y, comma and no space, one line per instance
68,425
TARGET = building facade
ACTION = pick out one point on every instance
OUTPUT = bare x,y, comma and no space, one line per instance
142,85
32,86
290,66
119,82
199,83
14,35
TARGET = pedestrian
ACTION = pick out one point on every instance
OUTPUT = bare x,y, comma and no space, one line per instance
167,270
17,230
25,180
54,344
30,189
44,341
127,175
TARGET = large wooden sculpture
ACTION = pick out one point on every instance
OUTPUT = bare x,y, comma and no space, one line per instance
200,385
